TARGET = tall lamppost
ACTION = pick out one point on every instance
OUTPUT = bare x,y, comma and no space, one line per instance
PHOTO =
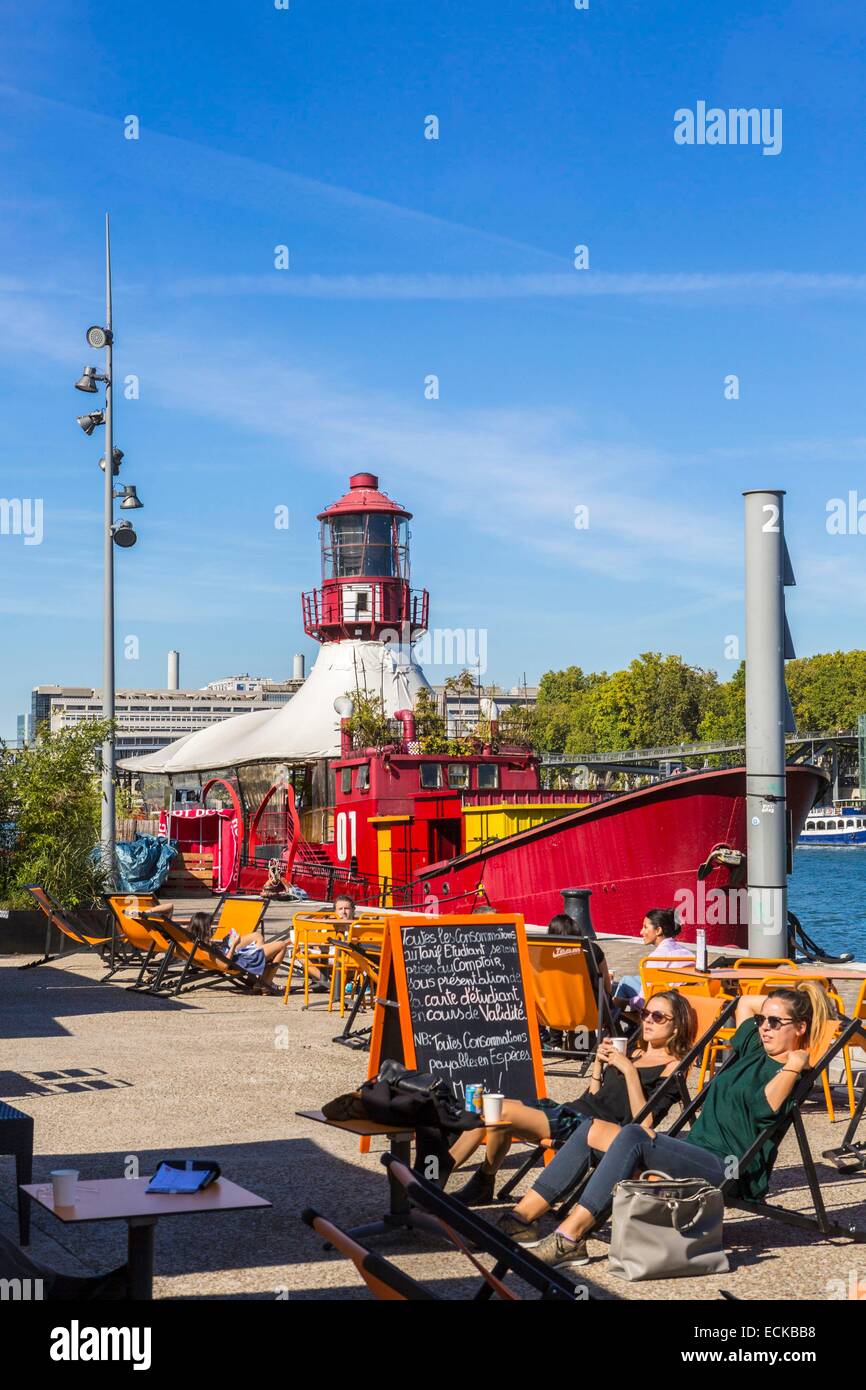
119,533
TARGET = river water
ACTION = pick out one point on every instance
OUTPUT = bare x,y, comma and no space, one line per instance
827,890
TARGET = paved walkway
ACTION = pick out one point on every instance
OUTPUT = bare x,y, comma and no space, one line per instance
117,1081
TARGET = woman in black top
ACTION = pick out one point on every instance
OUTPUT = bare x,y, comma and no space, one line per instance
617,1091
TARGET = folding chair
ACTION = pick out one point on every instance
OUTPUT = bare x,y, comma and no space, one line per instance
365,960
385,1281
51,1287
235,913
566,999
773,1133
203,961
754,986
59,918
859,1040
359,934
508,1256
677,1079
312,941
153,948
850,1156
661,972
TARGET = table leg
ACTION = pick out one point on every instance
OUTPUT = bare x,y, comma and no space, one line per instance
401,1215
24,1174
140,1256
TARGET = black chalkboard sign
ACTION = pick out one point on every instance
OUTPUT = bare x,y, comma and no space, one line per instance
455,998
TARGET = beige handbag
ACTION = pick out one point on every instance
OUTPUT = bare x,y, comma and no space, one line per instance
670,1228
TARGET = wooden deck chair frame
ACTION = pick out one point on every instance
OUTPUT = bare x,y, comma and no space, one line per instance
677,1078
775,1133
155,951
204,964
58,918
509,1257
385,1281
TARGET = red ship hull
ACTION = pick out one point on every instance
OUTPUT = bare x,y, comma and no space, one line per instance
635,851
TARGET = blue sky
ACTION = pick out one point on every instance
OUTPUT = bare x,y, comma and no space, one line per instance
558,387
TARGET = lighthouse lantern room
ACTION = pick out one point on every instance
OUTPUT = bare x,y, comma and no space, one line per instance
366,590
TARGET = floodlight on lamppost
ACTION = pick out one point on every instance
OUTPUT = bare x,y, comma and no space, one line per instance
89,422
87,381
123,534
130,497
99,337
116,460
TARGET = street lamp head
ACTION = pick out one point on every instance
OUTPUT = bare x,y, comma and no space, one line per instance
124,535
89,422
98,337
116,457
130,498
87,381
344,705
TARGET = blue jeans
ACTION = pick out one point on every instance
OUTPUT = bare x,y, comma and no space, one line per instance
632,1148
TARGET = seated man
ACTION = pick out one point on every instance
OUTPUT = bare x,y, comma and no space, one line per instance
344,908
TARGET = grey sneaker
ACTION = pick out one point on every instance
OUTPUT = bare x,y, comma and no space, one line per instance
559,1253
478,1192
523,1232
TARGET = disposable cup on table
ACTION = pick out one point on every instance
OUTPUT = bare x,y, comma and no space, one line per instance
491,1104
64,1182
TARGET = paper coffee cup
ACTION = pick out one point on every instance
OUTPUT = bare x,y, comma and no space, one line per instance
63,1181
621,1044
491,1103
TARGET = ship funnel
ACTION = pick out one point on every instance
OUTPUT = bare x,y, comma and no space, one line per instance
768,717
407,719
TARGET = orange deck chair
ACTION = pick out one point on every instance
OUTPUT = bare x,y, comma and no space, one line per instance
60,919
203,963
564,997
154,948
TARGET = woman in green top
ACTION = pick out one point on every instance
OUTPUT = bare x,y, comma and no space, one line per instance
770,1049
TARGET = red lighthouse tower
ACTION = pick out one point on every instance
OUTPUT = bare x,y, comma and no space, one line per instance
365,570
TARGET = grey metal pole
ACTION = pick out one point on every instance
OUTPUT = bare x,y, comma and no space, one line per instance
767,569
108,817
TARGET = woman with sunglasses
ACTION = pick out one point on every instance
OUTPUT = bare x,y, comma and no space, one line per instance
769,1051
618,1090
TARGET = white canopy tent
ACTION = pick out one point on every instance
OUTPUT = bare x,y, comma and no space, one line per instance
305,728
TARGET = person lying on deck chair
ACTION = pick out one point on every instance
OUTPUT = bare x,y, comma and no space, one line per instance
770,1049
618,1090
252,953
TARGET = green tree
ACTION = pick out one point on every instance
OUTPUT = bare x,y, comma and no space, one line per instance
54,798
430,729
369,725
724,718
828,691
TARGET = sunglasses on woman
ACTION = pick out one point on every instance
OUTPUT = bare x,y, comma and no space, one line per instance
772,1021
655,1016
